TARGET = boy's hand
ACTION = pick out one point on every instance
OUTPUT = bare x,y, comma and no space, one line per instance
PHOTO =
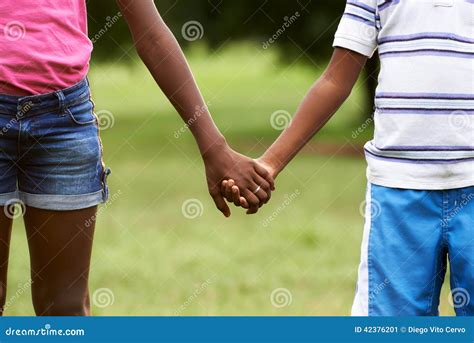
231,191
255,182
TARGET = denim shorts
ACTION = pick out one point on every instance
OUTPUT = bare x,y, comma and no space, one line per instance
409,237
50,151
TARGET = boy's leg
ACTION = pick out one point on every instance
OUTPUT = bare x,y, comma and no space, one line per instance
5,234
60,246
461,249
403,260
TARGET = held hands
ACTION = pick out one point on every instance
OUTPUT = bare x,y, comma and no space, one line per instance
250,182
233,193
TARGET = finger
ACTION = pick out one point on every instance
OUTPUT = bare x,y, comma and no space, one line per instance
224,186
228,190
264,185
221,205
244,203
266,175
261,194
253,202
236,195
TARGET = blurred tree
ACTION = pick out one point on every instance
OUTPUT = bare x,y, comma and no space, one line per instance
301,30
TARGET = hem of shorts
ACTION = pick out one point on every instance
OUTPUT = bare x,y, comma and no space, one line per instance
403,184
62,202
8,197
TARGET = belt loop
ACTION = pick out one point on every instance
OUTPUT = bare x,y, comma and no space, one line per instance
61,102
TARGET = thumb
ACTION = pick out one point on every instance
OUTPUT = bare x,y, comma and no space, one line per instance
221,205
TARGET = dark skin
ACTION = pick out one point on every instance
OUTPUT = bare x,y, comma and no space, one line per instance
320,104
60,243
161,53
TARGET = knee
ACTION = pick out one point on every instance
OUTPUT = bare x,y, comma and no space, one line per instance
61,303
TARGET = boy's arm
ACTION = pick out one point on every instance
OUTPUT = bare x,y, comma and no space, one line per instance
163,56
319,105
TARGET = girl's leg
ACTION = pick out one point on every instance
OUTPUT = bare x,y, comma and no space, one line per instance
60,244
5,234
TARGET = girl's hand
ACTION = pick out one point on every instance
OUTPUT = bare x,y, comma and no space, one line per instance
254,182
231,191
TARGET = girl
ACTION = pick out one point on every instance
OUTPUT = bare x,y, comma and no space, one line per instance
50,151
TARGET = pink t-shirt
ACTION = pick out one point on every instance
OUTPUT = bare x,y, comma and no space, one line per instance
43,45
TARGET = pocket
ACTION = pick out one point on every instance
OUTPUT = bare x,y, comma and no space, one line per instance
82,113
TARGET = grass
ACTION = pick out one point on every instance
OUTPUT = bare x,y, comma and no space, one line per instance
153,260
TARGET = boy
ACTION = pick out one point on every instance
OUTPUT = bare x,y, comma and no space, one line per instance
421,161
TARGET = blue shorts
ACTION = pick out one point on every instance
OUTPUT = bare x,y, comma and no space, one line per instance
50,151
409,236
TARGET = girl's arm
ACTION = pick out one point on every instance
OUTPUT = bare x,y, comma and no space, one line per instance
319,105
163,56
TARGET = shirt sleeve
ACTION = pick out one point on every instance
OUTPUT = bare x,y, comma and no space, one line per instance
357,30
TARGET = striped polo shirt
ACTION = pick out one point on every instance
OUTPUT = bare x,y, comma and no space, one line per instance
424,115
